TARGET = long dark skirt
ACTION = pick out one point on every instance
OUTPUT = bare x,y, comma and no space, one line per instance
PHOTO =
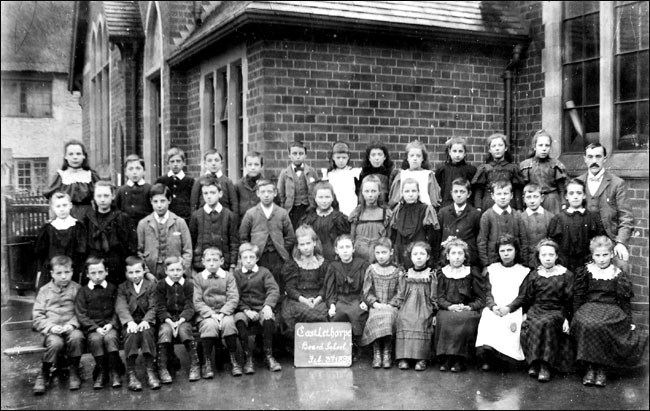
456,332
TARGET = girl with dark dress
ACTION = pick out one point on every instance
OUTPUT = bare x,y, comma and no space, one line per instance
109,233
574,227
64,235
455,167
548,173
602,327
327,222
75,178
459,306
304,278
498,166
377,162
412,221
546,295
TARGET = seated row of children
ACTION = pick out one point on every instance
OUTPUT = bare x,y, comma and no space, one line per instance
511,312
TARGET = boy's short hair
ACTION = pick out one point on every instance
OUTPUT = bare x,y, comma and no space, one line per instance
104,183
500,184
134,260
174,259
206,180
253,154
160,189
214,250
410,181
462,181
93,260
175,151
59,195
210,152
60,260
133,157
264,182
249,247
298,144
532,187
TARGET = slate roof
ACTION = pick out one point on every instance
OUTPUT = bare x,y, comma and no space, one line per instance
490,20
123,19
36,35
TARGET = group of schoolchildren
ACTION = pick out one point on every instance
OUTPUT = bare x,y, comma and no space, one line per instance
400,253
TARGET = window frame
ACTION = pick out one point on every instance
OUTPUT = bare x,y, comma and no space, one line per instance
624,164
20,80
224,126
31,161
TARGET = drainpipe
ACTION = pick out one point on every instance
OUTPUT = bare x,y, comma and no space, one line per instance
507,76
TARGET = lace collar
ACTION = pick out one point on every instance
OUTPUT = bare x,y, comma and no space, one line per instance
608,273
68,176
552,272
63,223
310,264
456,273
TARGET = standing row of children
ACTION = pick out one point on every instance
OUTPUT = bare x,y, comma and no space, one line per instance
413,192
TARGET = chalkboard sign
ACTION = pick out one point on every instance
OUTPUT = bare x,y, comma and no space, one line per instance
323,345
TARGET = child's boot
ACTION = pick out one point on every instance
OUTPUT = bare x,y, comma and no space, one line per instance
100,373
249,366
165,377
133,382
544,372
376,354
42,379
74,383
236,368
113,366
601,378
195,368
270,361
152,380
590,376
387,360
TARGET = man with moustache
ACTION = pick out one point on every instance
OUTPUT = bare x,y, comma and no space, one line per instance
607,195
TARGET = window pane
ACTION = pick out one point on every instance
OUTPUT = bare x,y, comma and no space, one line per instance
627,126
628,28
644,25
643,75
592,82
572,8
591,6
591,120
592,36
573,83
627,71
573,30
10,98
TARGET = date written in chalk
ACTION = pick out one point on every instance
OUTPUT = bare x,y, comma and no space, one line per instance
329,359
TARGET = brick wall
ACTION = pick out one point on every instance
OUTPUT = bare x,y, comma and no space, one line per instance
359,91
529,81
639,195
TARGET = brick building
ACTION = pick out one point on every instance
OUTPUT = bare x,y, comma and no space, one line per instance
247,75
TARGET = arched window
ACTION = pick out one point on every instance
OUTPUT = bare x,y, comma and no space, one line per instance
99,100
153,145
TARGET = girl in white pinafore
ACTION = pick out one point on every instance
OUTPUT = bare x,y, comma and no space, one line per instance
497,333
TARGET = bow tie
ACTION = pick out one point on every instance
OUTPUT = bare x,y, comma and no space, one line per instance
99,286
505,212
570,211
298,168
213,275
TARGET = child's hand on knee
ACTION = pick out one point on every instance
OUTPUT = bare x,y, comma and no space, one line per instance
267,313
332,310
131,327
363,306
